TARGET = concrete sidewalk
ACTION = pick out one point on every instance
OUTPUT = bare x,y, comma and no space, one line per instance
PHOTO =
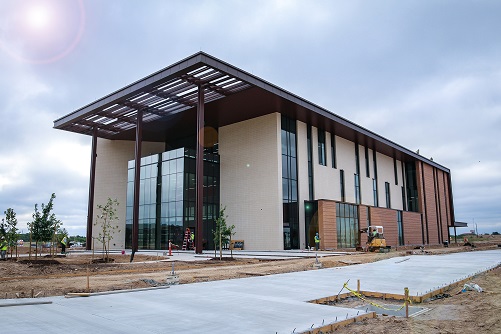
268,304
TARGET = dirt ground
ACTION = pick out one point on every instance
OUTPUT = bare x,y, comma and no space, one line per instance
466,312
50,276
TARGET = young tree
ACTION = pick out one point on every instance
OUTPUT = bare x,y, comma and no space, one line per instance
8,229
222,233
44,222
107,221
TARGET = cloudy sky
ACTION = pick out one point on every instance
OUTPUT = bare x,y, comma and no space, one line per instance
425,74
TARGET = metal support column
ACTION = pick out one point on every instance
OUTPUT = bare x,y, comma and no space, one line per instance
90,208
137,176
200,171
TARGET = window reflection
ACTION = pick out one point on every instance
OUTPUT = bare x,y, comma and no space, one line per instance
167,198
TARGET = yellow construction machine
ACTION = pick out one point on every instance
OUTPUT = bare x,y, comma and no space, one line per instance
376,240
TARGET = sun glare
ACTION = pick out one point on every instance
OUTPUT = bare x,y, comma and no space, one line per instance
38,17
42,31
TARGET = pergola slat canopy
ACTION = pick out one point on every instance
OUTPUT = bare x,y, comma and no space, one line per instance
167,96
230,95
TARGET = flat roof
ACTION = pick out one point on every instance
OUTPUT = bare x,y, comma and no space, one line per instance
168,99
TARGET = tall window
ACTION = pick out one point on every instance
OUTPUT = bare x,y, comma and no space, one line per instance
357,189
400,229
321,148
374,192
367,169
387,192
347,225
357,159
404,204
333,150
411,184
368,213
289,184
309,146
395,171
341,179
148,199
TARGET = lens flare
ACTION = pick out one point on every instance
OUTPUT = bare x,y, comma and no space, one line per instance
42,31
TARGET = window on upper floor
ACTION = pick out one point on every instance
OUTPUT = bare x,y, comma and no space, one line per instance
367,169
341,180
321,148
388,196
333,151
357,189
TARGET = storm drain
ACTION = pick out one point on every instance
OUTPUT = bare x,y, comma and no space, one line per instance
393,310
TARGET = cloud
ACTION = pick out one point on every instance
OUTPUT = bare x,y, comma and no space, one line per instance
423,74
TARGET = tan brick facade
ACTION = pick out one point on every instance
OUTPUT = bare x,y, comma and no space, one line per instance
251,183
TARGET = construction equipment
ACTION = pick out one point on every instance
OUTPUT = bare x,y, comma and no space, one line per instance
376,240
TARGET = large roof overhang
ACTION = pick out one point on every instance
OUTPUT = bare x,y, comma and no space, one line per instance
168,99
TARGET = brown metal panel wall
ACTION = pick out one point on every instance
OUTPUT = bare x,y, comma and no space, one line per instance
444,204
421,199
431,205
388,219
362,223
327,224
412,228
362,216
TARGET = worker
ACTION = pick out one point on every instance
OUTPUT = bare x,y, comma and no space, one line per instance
3,248
374,234
317,241
64,241
192,239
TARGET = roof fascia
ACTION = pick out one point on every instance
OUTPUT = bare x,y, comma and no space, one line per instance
130,90
258,82
202,58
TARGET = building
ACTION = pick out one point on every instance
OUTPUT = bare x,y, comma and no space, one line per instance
283,167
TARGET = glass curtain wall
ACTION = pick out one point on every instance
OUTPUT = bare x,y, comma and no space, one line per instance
148,194
289,184
167,198
347,225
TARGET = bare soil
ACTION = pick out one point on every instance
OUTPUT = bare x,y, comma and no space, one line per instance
58,275
466,312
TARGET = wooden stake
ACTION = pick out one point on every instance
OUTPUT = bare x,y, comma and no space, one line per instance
88,283
406,293
358,285
32,293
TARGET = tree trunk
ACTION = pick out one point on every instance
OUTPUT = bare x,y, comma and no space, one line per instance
220,246
104,250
